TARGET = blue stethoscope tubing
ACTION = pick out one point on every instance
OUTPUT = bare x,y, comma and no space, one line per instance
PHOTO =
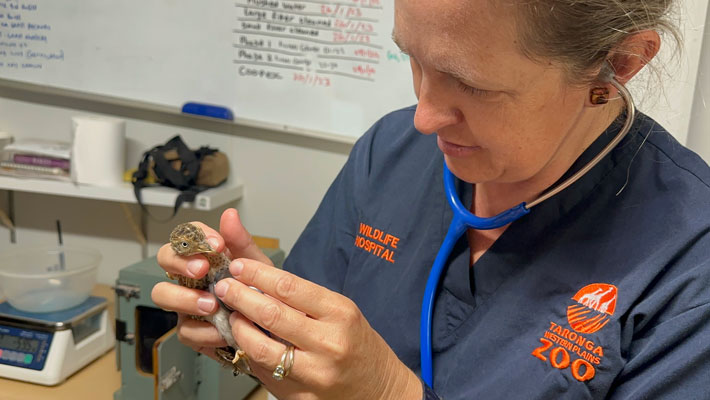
463,219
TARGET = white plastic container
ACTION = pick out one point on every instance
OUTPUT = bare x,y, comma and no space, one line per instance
49,278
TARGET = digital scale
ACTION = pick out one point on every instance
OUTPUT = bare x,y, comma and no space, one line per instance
46,348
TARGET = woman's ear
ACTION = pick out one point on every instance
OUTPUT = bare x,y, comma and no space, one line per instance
633,54
623,63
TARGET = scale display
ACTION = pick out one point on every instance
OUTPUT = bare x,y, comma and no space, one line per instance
46,348
9,342
24,348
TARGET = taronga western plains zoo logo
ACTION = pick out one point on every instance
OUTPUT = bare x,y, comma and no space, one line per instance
595,305
571,349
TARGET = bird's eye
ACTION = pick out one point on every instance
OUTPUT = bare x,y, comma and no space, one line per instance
184,244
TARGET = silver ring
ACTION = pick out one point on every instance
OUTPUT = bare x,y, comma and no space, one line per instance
282,370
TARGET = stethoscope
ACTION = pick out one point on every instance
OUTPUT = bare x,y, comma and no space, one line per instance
463,219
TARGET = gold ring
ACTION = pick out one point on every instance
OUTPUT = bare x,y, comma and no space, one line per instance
282,370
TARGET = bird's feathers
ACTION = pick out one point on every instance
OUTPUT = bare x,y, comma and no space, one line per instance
188,239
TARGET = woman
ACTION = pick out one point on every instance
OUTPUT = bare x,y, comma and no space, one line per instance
601,291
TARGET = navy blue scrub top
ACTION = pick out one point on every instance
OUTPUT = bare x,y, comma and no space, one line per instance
592,295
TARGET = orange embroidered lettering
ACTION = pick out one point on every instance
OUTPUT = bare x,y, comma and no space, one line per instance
599,351
374,247
546,344
562,364
560,359
375,235
581,340
593,307
588,357
382,244
589,370
364,228
388,256
390,240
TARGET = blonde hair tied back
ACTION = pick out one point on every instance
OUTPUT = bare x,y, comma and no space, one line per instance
580,34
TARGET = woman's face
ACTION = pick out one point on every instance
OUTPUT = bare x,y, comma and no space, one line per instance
499,116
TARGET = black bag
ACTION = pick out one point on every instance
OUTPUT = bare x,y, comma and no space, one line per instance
176,166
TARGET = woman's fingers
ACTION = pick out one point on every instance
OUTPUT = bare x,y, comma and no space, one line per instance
172,297
264,352
270,314
193,266
239,242
308,297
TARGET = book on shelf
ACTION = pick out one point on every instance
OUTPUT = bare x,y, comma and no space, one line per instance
33,171
42,161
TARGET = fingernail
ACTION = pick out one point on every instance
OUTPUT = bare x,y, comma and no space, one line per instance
194,267
214,243
206,303
236,267
220,289
232,318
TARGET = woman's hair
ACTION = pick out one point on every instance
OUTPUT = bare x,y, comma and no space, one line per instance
580,34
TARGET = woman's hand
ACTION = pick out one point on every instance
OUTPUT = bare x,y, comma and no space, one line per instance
235,241
337,354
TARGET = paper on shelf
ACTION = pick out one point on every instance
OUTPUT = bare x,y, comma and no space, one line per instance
50,148
98,150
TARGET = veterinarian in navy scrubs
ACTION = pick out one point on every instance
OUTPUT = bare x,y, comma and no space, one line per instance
600,291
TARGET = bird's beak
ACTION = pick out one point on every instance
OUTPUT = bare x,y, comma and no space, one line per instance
203,248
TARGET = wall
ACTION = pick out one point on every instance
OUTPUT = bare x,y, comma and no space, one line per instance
699,130
283,185
664,90
284,178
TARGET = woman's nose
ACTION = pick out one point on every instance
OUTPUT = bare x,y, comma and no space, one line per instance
434,111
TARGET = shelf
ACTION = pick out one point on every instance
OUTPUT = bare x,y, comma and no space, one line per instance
153,196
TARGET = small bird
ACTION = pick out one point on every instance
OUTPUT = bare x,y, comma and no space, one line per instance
188,239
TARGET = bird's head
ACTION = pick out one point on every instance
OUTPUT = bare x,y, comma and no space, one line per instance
188,239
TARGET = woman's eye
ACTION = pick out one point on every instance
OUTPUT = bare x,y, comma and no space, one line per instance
471,90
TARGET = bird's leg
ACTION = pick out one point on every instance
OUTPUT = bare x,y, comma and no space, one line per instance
243,366
238,355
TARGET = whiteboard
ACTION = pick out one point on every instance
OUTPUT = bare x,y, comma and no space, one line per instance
315,65
298,65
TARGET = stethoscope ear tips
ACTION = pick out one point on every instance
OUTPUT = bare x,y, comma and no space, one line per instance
607,73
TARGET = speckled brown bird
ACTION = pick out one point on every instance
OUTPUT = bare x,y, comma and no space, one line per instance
188,239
